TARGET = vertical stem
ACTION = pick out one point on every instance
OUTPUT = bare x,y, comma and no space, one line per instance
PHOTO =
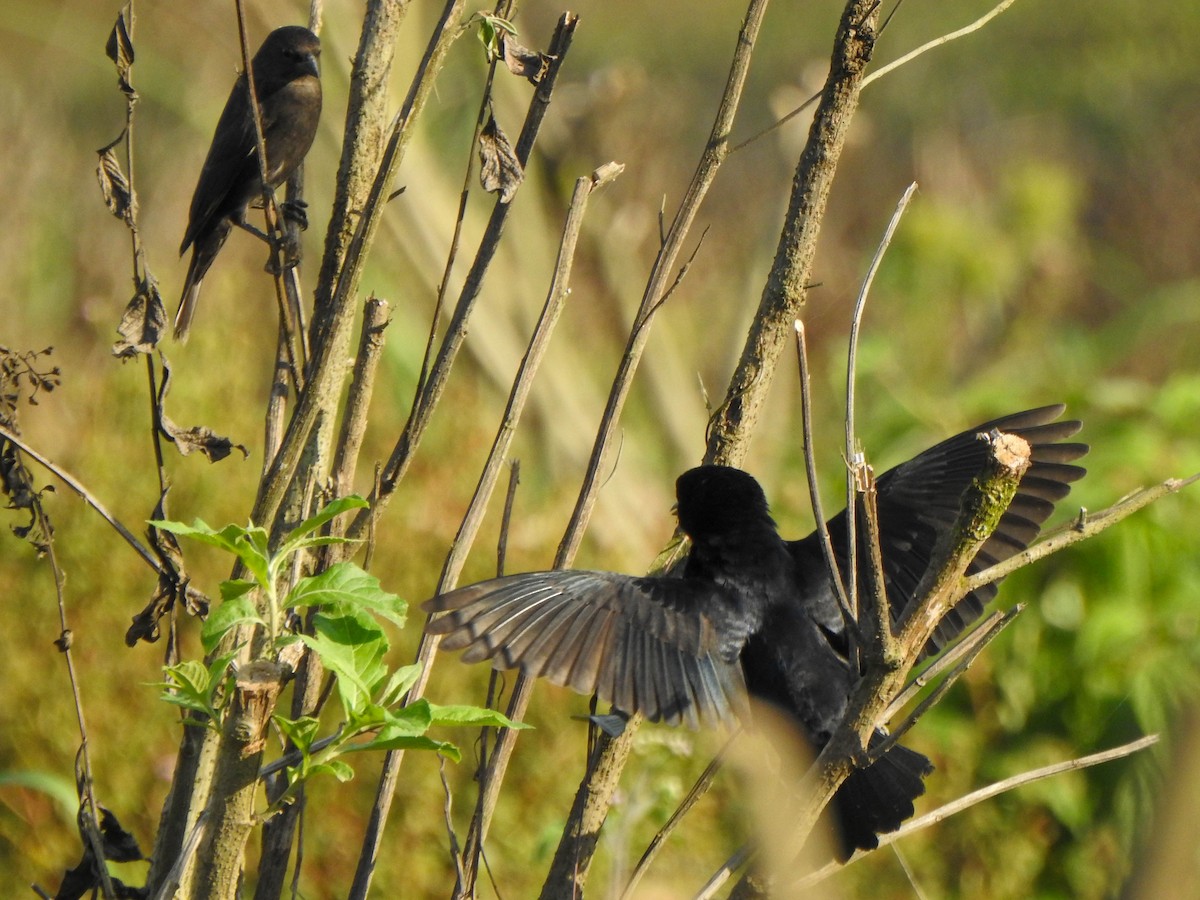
231,805
787,284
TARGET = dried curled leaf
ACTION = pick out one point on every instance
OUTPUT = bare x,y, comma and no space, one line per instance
114,186
144,626
189,440
119,49
117,845
143,323
22,377
500,170
173,587
529,64
200,438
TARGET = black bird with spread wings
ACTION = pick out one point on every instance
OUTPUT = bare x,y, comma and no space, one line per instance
287,84
753,610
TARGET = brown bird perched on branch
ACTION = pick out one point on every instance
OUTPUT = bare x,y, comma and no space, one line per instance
287,84
753,608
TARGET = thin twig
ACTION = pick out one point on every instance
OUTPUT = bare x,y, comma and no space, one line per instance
880,72
456,332
510,499
187,852
698,790
943,661
302,801
358,402
853,450
485,105
270,210
875,623
474,851
89,814
447,812
938,42
663,278
70,481
740,857
522,384
814,487
1086,526
976,797
979,642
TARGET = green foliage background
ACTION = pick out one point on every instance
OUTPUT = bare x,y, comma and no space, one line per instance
1049,255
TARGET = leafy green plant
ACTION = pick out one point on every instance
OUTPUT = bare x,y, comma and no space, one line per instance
347,637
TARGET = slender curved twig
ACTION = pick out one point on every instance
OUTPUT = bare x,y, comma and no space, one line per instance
73,483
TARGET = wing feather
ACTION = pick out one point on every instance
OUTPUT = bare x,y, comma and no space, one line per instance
919,503
647,645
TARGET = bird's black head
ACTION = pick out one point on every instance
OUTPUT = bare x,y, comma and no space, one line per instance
715,500
288,53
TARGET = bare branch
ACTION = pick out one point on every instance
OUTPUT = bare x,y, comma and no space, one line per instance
419,417
986,793
814,487
983,632
74,484
698,790
784,294
938,42
572,859
853,450
362,386
1086,526
979,639
883,70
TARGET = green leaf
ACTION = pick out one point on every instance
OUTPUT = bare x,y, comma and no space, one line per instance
345,585
236,587
331,511
247,544
300,732
406,742
339,769
352,646
472,716
410,720
188,677
398,684
368,717
320,540
489,32
190,685
225,616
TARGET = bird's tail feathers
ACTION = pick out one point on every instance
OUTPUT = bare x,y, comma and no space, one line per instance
187,303
204,250
878,799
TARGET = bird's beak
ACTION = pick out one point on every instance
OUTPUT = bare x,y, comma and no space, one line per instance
311,65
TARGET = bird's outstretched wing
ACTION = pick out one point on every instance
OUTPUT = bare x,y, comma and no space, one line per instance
919,502
664,647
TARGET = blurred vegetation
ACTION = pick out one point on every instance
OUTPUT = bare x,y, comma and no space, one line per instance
1050,255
